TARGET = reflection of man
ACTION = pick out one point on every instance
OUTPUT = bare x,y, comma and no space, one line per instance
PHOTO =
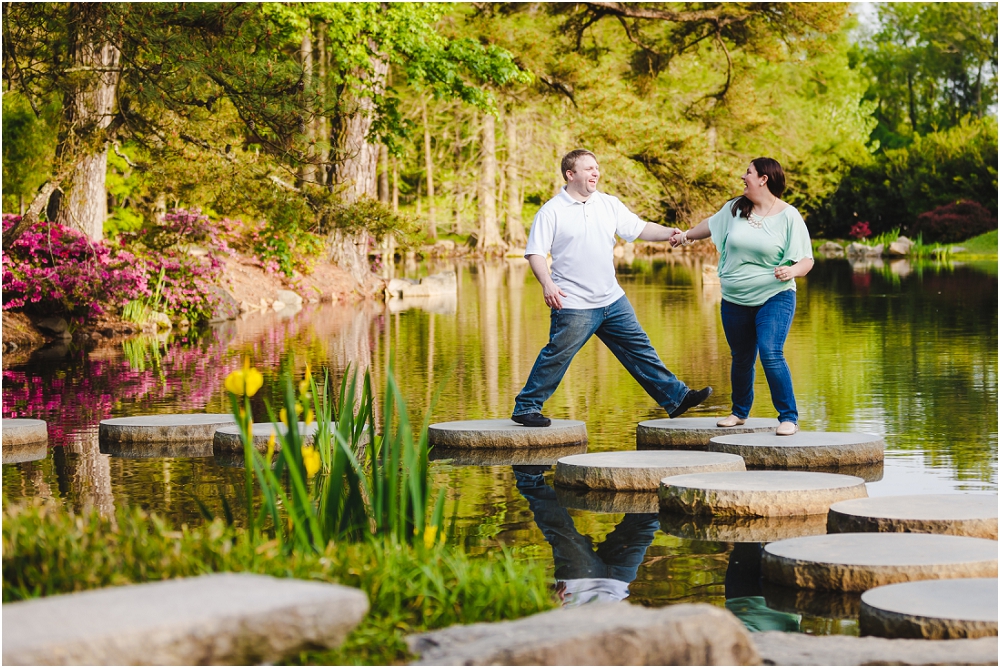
744,594
578,227
584,575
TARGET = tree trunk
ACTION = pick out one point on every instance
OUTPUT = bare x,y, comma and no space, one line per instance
515,226
87,110
356,170
489,233
383,178
458,195
322,124
307,172
395,186
429,167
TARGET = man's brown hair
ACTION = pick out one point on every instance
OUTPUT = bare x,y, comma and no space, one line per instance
569,160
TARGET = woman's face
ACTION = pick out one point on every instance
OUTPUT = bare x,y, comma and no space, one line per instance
754,185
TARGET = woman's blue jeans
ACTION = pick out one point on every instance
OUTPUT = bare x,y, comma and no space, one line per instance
615,325
764,328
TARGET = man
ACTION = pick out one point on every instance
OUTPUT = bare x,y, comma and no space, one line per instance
578,226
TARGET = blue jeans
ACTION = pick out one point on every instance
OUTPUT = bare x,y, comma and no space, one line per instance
618,557
763,328
617,327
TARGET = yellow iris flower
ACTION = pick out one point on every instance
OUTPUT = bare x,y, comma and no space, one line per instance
310,457
244,381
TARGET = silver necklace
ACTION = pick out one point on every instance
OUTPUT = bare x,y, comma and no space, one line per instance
757,222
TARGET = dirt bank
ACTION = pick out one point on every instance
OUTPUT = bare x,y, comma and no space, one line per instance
243,287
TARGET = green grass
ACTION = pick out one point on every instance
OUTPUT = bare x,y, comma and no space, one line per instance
984,244
49,550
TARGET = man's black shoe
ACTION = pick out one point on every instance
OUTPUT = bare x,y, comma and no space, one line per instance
533,419
692,399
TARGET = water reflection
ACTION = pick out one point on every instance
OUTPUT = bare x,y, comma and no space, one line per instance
909,356
583,574
745,594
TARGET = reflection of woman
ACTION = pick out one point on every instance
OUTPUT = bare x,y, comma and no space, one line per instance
763,246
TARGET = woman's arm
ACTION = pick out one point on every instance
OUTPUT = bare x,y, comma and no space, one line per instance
797,270
699,231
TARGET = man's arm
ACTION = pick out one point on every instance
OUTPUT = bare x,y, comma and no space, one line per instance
654,232
540,268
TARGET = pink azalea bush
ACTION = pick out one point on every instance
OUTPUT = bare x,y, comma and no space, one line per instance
860,230
54,269
187,250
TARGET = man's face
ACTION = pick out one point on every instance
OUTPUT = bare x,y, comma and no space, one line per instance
582,179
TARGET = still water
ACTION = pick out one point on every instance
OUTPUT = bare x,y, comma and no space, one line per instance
906,352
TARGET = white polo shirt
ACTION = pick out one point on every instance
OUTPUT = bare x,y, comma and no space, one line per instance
581,238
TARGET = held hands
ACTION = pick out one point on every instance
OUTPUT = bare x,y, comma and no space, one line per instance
679,238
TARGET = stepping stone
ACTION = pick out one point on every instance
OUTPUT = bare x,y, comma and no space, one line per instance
541,456
25,452
498,434
133,450
225,618
954,514
18,431
860,561
824,603
741,529
596,501
758,493
638,471
932,609
800,649
691,433
228,439
163,428
610,634
803,450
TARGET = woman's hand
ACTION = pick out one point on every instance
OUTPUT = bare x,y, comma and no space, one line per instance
788,272
784,273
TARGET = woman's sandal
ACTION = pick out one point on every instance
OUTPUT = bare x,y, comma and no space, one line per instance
787,429
731,421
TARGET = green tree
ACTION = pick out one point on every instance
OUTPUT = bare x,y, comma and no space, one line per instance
929,64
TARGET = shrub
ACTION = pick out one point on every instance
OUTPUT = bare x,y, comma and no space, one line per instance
53,269
860,230
955,222
186,247
49,550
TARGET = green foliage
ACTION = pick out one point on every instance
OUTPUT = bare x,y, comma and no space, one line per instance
893,188
29,144
984,244
929,65
379,490
48,550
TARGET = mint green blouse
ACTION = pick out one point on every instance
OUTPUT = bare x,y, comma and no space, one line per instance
748,256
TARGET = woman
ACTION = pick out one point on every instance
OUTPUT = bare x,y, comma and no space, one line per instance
763,246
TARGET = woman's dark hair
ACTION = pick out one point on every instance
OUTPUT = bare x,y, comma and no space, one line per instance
770,168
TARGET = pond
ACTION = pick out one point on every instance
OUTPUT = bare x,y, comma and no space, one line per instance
906,352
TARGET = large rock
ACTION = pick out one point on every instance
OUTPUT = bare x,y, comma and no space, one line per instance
799,649
931,609
692,433
954,514
802,450
53,325
831,249
899,247
505,433
638,471
225,618
177,427
288,298
857,250
225,306
610,634
19,431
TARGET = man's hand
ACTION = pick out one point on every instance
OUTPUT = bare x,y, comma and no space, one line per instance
677,239
552,294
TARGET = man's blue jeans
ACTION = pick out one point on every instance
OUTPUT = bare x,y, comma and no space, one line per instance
617,327
763,328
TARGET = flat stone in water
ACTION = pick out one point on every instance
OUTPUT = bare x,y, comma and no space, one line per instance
803,450
757,493
932,609
18,431
741,529
499,434
224,618
638,471
170,449
541,456
25,452
955,514
598,501
801,649
860,561
692,433
163,428
228,439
